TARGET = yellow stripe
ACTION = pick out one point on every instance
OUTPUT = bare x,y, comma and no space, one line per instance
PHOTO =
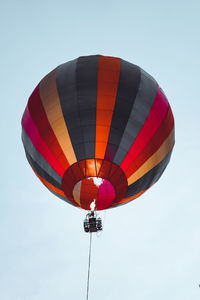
155,159
51,102
77,192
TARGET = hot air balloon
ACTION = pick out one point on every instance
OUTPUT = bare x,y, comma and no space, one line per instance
98,132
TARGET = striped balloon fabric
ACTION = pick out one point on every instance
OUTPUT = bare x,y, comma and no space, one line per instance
98,132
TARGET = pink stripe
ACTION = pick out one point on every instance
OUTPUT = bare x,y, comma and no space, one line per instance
38,142
156,115
106,195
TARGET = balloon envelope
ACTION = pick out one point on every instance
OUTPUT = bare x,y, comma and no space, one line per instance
98,131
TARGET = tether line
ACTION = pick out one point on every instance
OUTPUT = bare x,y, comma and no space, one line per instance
88,279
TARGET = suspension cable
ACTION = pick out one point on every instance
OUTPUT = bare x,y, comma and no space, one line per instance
88,279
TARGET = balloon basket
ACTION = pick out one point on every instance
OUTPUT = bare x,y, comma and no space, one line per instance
92,223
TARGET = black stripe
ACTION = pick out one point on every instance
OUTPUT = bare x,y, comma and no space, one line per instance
77,89
149,178
86,80
129,81
142,105
41,172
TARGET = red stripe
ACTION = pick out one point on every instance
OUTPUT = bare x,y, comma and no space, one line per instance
156,115
154,144
89,193
39,117
38,142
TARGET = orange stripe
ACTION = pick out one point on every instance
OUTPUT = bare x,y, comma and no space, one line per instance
51,103
107,85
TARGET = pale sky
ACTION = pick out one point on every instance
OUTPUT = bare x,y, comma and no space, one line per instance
150,248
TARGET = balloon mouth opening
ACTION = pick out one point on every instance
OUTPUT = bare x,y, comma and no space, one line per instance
94,184
97,180
94,192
